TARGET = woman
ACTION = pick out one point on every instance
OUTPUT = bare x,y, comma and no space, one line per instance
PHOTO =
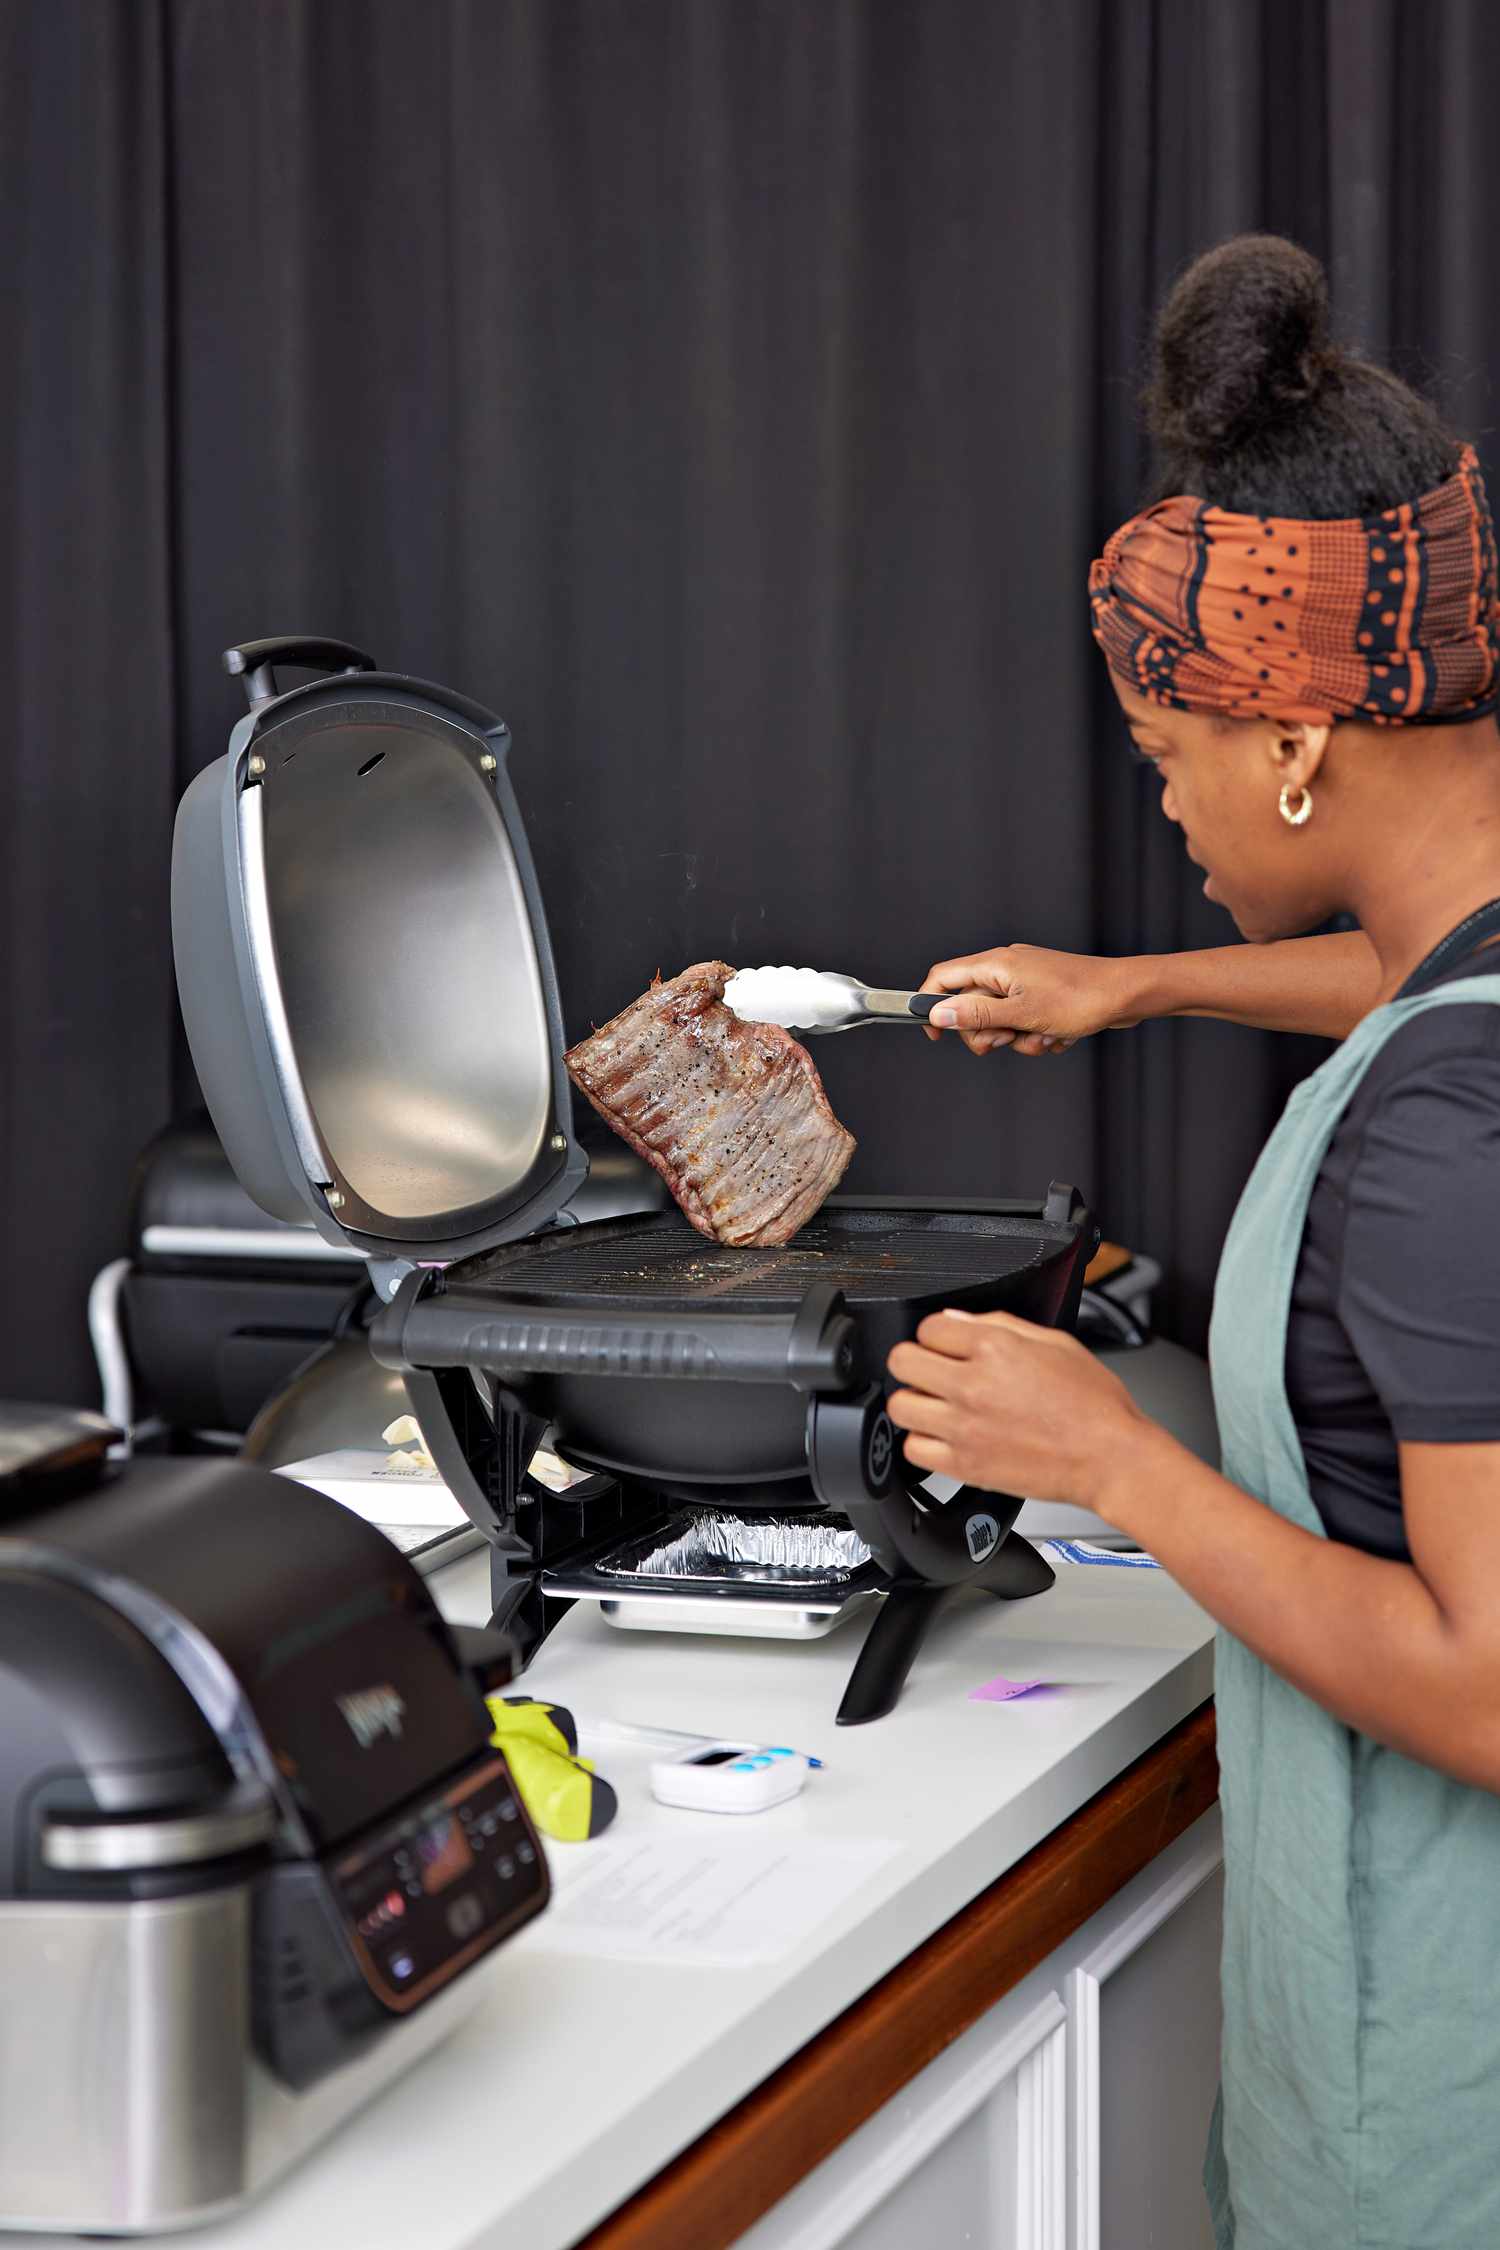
1303,639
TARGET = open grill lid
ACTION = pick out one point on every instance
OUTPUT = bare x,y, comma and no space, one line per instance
364,967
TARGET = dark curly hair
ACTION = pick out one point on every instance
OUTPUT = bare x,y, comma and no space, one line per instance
1254,408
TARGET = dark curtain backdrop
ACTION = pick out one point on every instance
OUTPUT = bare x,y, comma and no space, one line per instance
732,393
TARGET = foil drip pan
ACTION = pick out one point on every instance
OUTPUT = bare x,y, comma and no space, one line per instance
811,1550
789,1575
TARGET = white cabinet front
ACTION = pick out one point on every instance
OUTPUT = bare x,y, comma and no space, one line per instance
1072,2116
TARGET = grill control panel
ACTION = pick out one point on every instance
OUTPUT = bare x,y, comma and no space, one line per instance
441,1884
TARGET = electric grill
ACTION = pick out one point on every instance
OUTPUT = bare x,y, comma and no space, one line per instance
255,1842
369,994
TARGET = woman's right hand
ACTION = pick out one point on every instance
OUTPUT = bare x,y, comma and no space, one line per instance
1030,999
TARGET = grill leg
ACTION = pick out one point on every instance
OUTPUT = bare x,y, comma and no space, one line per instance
520,1610
1015,1569
1012,1572
891,1643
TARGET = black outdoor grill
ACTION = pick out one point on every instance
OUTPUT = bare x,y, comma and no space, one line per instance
369,993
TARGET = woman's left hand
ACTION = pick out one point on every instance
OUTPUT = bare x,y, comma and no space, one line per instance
1012,1407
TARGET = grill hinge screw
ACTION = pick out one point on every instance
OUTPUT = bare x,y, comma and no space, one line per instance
334,1200
256,766
488,762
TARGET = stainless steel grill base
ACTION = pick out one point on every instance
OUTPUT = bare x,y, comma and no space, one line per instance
131,2101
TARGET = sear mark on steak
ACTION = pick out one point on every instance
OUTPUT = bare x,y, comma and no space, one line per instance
733,1115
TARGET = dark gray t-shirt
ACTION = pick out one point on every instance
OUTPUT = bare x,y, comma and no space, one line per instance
1395,1317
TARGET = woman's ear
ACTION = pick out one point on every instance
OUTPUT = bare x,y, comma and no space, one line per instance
1297,748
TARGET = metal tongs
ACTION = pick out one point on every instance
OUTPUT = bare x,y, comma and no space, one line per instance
820,1000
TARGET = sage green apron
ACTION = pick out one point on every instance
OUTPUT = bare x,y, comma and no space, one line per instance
1360,2103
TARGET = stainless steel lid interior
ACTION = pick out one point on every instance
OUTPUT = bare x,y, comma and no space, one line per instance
364,966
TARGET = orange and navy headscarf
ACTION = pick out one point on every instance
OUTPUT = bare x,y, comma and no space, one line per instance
1389,618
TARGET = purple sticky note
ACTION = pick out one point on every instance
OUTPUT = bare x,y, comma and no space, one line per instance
1000,1689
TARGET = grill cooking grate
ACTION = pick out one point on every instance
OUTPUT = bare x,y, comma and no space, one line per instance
873,1256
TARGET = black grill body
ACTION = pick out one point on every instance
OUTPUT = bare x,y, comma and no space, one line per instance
679,1369
394,1075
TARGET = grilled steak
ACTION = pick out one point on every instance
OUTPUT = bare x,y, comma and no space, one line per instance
733,1115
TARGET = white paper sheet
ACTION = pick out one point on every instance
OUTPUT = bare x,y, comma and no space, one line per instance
376,1487
728,1899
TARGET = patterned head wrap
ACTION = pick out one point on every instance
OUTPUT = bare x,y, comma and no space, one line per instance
1389,618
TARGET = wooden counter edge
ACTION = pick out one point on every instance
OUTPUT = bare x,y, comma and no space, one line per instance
707,2197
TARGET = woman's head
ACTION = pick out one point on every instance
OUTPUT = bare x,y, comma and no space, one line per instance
1315,603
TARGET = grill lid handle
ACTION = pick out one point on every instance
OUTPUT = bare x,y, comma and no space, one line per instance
252,661
435,1325
243,1821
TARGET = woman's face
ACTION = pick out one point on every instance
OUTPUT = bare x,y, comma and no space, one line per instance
1221,785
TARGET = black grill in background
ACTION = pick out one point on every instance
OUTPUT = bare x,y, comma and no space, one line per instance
880,1256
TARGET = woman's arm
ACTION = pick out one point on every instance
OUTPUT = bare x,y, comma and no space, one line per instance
1316,984
1039,1001
1407,1653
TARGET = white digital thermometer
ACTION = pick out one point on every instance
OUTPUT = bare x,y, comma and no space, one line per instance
728,1777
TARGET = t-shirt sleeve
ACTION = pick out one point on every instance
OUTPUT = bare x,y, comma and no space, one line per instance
1419,1294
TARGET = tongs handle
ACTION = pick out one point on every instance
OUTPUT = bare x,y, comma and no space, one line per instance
919,1004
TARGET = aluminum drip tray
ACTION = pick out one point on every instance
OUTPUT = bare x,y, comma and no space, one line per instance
791,1574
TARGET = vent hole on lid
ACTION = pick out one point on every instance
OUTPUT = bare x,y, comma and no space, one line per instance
370,764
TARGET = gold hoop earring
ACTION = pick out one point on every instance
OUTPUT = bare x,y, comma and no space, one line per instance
1303,814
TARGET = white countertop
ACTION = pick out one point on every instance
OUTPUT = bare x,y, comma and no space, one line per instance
576,2079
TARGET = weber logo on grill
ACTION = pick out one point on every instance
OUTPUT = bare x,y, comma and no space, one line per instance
983,1535
372,1712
